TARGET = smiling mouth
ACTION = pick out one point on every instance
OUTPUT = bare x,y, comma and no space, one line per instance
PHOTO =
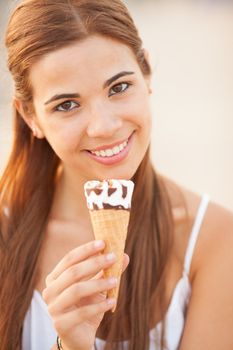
109,152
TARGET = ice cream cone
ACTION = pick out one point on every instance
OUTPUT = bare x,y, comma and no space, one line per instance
111,225
109,203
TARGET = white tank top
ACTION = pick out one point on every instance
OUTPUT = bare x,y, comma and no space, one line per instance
39,333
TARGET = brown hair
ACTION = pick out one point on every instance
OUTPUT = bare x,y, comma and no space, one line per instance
27,186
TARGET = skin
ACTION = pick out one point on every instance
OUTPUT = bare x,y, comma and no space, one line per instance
71,280
96,119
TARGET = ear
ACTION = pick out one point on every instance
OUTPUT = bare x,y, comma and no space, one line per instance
148,77
29,118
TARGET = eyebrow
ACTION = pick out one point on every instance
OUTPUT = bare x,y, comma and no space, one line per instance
115,77
61,96
75,95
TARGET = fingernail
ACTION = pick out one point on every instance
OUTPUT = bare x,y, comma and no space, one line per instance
99,244
112,281
110,256
111,301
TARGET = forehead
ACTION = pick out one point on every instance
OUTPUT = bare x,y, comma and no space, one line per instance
92,59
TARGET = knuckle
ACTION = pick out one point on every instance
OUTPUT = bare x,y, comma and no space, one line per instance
69,258
45,295
76,292
51,309
48,280
75,272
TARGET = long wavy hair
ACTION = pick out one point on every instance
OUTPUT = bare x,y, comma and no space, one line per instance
27,186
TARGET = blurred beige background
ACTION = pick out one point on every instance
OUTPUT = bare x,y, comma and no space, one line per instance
191,47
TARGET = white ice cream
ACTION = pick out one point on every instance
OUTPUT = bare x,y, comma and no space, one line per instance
107,194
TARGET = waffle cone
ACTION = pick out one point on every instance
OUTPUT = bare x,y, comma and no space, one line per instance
110,225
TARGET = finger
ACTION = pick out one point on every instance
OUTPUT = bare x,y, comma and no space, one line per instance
79,272
98,275
93,299
75,293
72,319
74,256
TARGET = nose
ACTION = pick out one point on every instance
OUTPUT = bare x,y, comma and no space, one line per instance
102,122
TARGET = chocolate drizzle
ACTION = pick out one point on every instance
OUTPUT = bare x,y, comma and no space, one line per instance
111,191
117,207
109,206
109,194
96,190
124,191
95,206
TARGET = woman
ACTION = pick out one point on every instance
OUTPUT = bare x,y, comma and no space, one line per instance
82,89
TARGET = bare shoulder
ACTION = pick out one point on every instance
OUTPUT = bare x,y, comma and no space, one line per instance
209,321
215,243
216,233
215,239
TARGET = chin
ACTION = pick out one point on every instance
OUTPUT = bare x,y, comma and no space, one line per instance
120,173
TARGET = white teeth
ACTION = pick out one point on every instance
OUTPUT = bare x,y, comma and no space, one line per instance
110,152
102,153
116,150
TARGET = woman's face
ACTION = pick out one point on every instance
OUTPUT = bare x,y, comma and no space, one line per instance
91,103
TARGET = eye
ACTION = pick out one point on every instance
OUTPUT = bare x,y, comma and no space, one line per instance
67,106
119,88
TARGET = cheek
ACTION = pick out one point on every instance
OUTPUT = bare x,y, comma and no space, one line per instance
66,139
139,112
63,134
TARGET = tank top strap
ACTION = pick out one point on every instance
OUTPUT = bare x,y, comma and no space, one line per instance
195,232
